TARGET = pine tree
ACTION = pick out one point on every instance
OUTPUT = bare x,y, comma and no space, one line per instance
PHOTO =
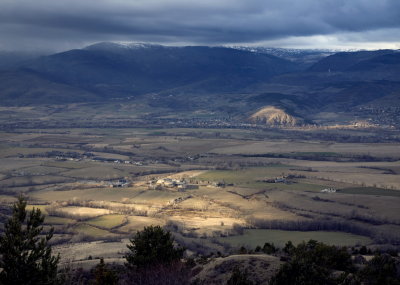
26,257
153,259
152,246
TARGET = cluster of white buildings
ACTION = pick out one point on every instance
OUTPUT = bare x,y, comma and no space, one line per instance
169,183
328,190
119,183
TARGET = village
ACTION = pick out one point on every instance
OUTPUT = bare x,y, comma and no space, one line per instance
184,183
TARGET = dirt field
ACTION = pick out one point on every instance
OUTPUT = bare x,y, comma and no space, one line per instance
80,212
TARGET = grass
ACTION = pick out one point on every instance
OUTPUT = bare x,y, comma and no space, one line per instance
107,221
91,231
52,220
371,191
254,237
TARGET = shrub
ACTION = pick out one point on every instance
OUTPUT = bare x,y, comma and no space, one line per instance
381,269
300,272
312,263
269,248
289,248
239,278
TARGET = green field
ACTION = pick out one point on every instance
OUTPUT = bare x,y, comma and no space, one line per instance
371,191
92,231
252,238
51,220
107,221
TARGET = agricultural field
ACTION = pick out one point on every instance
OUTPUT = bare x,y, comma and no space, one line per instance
310,147
253,238
80,212
91,231
107,221
230,187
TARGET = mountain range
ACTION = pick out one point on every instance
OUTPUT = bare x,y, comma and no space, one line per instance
240,80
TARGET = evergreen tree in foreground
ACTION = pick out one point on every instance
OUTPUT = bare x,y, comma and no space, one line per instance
25,256
152,246
153,259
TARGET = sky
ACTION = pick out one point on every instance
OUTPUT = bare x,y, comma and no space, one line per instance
56,25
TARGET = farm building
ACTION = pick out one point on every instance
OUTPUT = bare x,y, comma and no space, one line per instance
328,190
119,183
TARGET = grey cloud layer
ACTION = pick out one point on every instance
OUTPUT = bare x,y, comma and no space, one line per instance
210,22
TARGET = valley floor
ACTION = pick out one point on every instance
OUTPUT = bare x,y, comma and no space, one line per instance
215,189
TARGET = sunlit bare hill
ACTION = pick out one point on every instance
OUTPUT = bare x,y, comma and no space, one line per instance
274,116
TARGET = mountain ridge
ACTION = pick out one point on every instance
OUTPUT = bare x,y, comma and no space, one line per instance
188,78
111,70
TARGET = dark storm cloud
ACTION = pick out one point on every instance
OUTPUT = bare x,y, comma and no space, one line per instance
58,23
